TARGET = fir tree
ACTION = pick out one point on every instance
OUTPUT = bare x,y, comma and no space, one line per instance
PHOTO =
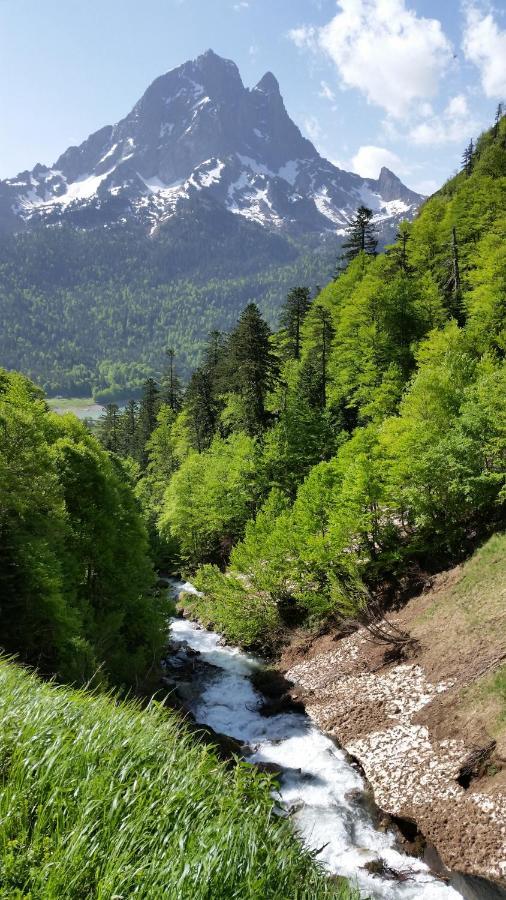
202,409
314,373
171,390
109,428
251,366
128,441
498,116
468,158
292,315
150,404
398,252
454,284
361,235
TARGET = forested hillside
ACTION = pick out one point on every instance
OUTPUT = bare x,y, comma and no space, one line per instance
323,465
91,312
76,579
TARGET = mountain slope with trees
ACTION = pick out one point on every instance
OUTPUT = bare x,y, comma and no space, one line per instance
76,580
161,228
324,469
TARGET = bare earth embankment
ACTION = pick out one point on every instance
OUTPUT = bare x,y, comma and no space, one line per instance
430,730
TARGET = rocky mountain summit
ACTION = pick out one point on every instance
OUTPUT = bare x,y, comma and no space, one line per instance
199,136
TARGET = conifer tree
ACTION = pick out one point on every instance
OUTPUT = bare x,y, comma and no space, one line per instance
314,373
202,409
398,252
109,428
468,158
292,315
171,392
498,116
454,283
150,404
128,441
361,235
251,365
214,352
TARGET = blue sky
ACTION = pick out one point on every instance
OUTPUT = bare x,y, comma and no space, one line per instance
404,83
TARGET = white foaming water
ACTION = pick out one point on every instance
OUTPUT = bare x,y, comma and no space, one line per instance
317,778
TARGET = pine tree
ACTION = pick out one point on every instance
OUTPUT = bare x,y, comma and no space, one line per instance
398,251
292,315
214,352
361,235
498,116
251,366
314,373
150,404
128,440
202,409
171,390
468,158
109,428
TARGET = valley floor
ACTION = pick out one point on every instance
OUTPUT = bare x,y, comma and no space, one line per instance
430,730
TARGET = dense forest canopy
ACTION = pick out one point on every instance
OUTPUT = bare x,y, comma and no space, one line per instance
302,471
76,579
298,475
92,312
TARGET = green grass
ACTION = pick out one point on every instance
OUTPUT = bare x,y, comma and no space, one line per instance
479,594
70,402
103,799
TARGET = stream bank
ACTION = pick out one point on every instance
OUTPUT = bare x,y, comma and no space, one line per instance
428,729
322,792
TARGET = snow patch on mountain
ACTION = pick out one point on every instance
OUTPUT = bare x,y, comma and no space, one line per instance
199,133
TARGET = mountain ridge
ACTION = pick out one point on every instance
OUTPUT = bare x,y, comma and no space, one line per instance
196,132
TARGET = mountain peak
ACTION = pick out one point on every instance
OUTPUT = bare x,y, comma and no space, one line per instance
387,173
213,64
268,84
198,135
391,187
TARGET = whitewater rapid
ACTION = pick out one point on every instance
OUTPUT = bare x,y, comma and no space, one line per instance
318,786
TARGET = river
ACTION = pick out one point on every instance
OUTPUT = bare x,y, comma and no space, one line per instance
318,786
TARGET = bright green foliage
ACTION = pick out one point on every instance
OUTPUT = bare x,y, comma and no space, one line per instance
211,497
75,580
103,799
389,437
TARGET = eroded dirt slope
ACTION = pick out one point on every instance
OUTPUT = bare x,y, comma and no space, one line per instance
429,730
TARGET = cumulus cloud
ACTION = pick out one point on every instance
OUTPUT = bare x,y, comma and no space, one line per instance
326,91
369,160
484,44
388,52
455,124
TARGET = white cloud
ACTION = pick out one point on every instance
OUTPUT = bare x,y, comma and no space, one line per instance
304,36
388,52
243,4
484,44
369,159
455,124
326,91
313,129
427,186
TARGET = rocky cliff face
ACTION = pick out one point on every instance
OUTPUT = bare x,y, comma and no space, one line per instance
198,134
